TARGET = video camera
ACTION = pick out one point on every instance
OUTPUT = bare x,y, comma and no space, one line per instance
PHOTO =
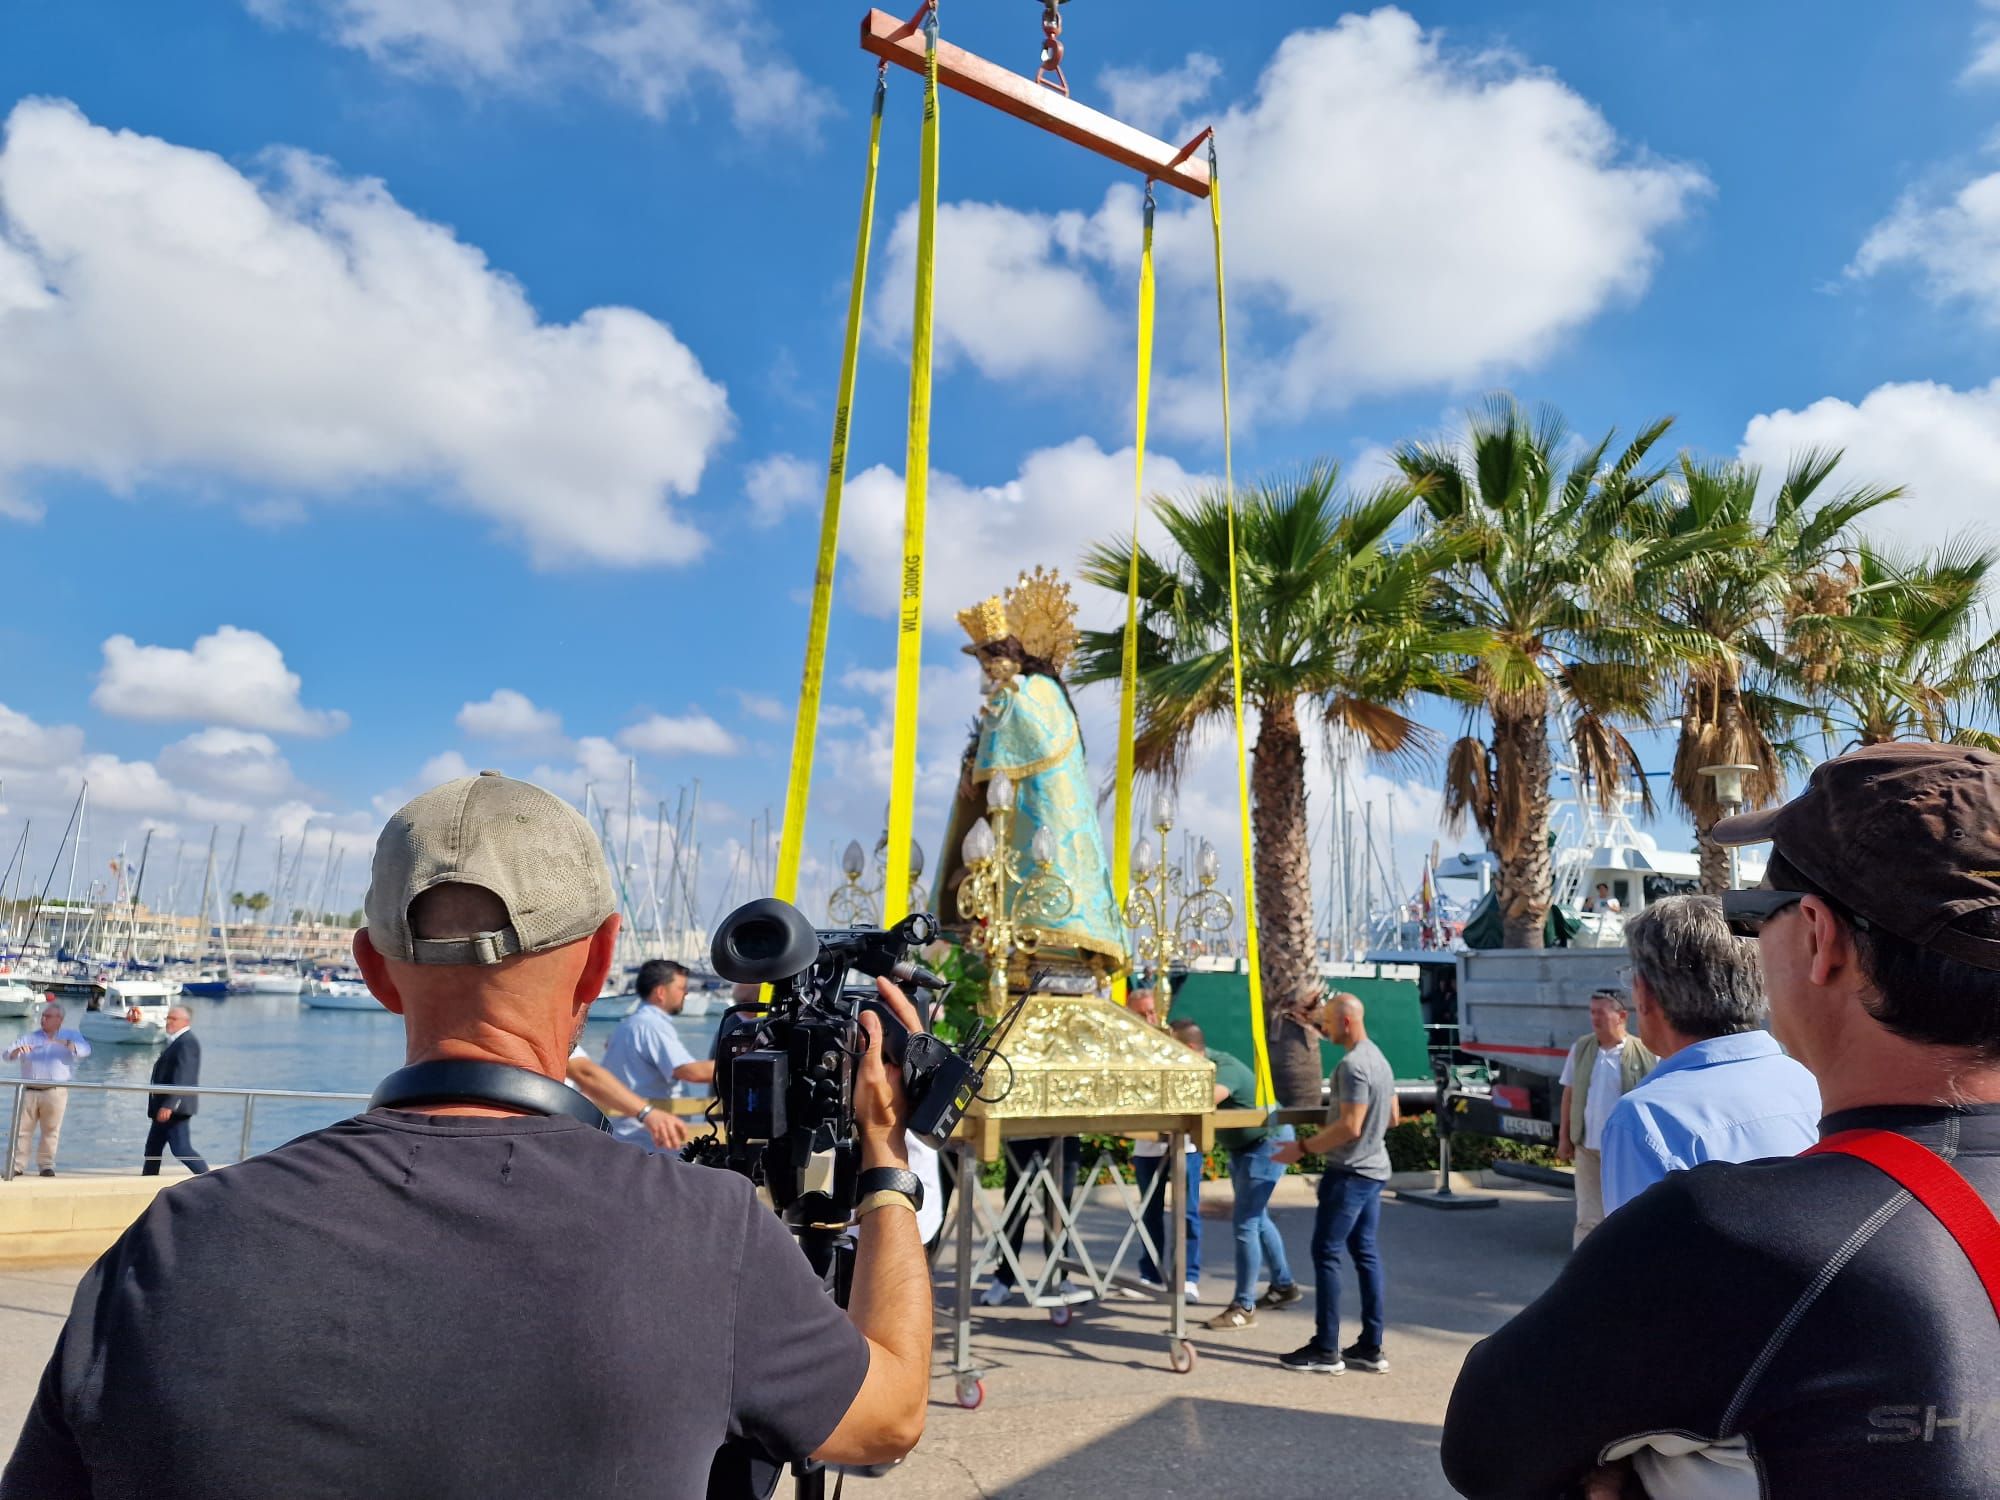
784,1077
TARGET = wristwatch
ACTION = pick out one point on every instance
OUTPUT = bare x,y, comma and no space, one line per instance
891,1180
641,1116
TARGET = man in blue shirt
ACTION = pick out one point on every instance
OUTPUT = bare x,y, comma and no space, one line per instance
1724,1089
646,1052
46,1054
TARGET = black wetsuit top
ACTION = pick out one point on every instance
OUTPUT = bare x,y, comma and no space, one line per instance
1809,1305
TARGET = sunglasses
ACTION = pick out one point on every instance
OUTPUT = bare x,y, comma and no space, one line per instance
1746,912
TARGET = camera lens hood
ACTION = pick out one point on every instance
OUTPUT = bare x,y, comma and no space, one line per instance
764,941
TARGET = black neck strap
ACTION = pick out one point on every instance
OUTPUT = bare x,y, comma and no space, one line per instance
484,1083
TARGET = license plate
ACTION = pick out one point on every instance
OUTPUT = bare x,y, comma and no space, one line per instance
1527,1127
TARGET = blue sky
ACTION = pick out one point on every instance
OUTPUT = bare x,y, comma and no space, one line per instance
443,351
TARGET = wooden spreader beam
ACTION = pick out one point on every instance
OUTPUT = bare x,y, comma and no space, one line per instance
899,42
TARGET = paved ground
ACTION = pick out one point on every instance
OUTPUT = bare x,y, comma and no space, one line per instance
1092,1410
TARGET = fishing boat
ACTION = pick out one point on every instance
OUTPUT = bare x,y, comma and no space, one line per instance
264,982
338,994
18,1001
129,1012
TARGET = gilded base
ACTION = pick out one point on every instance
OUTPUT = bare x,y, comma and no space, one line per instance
1084,1056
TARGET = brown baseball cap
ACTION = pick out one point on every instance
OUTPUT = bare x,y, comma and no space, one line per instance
1905,835
525,845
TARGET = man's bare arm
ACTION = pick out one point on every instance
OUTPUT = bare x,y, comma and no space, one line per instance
891,1298
601,1087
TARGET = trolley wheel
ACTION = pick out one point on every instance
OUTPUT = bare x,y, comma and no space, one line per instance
1060,1316
971,1392
1180,1357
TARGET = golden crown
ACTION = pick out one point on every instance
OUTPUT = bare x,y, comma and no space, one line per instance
1043,616
986,622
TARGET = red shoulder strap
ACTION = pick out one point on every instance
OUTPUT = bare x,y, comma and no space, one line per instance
1936,1184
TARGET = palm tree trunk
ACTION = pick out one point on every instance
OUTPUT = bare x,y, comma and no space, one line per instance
1284,898
1714,858
1521,818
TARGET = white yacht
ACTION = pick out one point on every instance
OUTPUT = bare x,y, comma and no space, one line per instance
129,1012
18,1001
339,993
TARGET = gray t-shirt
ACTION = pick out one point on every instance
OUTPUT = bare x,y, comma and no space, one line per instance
1364,1076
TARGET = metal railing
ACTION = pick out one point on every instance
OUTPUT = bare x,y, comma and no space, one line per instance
20,1086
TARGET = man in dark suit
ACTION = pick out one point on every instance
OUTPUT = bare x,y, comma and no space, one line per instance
180,1064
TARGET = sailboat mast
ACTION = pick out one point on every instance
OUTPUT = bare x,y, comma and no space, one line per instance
69,888
132,909
207,883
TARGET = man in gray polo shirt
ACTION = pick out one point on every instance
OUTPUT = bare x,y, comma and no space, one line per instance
1350,1194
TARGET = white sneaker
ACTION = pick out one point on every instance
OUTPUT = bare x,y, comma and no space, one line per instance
1073,1294
1191,1292
996,1294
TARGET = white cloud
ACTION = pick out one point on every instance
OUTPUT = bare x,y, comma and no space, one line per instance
693,733
230,762
1942,444
759,706
1155,102
648,54
1985,61
165,317
777,486
233,677
1015,295
1954,245
979,538
1401,215
26,745
509,715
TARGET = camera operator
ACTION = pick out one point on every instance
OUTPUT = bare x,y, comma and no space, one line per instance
464,1297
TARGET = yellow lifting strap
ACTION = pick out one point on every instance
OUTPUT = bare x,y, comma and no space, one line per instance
917,474
1266,1094
1128,673
805,730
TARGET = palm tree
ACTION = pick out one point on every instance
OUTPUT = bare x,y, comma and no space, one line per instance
1920,663
1549,578
1333,614
1740,702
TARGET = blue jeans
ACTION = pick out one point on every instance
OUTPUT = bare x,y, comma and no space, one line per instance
1258,1243
1146,1169
1349,1208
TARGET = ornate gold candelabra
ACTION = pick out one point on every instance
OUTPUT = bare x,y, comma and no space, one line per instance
1008,909
1163,916
856,904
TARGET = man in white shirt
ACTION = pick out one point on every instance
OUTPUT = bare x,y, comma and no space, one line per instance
1599,1071
646,1053
46,1055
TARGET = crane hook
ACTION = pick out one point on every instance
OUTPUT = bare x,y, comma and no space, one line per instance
1052,49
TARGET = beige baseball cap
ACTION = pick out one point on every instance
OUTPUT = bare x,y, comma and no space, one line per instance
527,846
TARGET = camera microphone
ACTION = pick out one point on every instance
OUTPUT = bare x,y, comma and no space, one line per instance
907,973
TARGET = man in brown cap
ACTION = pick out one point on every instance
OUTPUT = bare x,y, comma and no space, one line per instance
473,1290
1827,1324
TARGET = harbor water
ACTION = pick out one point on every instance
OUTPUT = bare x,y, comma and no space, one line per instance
250,1041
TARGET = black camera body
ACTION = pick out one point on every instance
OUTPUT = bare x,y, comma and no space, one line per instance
785,1076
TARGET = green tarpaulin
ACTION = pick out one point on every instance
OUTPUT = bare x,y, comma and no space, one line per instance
1220,1005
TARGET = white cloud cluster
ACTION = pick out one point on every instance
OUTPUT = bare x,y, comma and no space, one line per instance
648,54
164,316
24,744
1985,63
777,486
231,763
509,715
978,538
1016,294
1159,102
234,677
1400,215
1953,245
1941,444
692,733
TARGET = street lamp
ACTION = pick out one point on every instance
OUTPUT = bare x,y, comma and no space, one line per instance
858,904
1008,909
1728,781
1165,917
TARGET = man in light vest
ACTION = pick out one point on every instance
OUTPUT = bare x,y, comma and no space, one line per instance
1601,1069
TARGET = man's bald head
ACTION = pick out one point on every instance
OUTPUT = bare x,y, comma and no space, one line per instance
1341,1019
1189,1035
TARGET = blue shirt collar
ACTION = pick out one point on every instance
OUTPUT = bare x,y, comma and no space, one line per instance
1740,1046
